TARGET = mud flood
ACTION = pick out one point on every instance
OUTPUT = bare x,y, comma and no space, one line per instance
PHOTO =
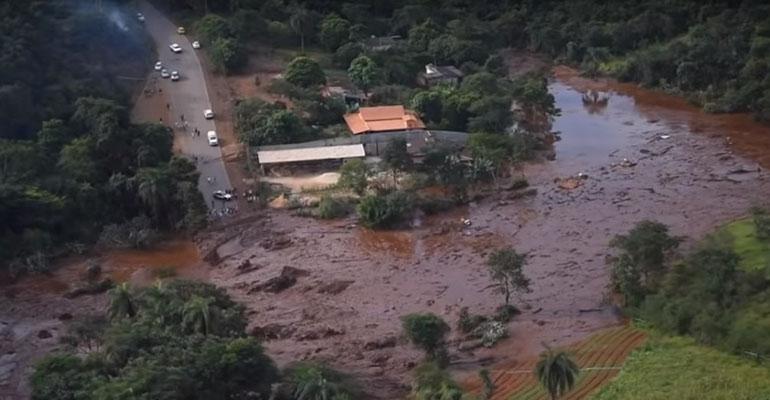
646,155
34,309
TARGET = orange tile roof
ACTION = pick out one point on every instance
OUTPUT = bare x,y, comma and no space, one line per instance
382,119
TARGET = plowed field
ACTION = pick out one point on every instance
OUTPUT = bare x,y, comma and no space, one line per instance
600,358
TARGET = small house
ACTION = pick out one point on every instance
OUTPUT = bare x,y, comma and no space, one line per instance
438,75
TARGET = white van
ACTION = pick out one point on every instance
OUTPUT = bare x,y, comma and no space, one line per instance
212,136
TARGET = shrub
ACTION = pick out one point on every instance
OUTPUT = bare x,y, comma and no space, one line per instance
761,220
330,208
354,175
377,211
467,322
490,332
431,382
426,331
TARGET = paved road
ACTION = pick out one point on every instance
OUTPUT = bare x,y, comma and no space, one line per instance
188,97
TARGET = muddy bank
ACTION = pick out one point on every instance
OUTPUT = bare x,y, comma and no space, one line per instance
35,308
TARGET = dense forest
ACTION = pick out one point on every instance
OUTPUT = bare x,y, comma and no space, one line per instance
72,166
713,52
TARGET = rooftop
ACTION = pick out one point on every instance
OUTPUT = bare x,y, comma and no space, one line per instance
382,119
310,154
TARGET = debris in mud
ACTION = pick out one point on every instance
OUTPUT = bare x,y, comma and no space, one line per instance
470,345
522,193
44,334
570,183
7,366
272,332
246,266
388,341
285,280
276,244
91,288
321,333
335,287
65,317
626,163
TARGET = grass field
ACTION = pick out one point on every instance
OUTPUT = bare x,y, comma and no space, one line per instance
676,368
754,253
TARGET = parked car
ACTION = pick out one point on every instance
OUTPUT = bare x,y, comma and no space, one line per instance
158,66
208,114
180,30
174,76
164,73
222,195
196,44
176,48
140,18
212,137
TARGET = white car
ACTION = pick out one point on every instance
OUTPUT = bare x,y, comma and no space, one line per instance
158,66
175,75
208,114
222,195
164,73
212,137
140,18
176,48
196,44
180,30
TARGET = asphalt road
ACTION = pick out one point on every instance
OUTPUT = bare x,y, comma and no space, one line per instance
188,97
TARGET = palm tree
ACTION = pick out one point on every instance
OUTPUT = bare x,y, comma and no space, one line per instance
122,302
556,372
200,315
314,383
154,190
299,21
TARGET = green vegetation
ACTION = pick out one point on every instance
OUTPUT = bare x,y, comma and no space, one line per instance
713,294
556,372
677,368
364,73
176,340
331,208
310,381
384,210
261,123
428,332
506,269
304,72
431,382
354,175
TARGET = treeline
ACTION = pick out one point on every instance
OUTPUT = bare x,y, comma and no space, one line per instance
73,169
718,293
715,53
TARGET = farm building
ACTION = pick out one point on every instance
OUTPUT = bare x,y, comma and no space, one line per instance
309,157
383,119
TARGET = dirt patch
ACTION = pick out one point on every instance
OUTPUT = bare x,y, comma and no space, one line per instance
298,184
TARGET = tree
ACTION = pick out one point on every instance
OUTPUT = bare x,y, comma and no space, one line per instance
556,372
364,73
226,54
429,104
77,160
200,315
212,27
155,190
420,36
426,331
304,72
396,158
646,247
310,381
354,175
302,22
506,269
335,31
122,303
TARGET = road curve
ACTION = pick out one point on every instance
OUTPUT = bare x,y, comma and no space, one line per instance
187,97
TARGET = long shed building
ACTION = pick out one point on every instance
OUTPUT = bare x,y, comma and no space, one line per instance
309,157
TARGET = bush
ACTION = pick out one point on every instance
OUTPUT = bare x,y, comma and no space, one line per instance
378,211
354,175
490,332
761,220
468,322
227,54
331,208
426,331
431,382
